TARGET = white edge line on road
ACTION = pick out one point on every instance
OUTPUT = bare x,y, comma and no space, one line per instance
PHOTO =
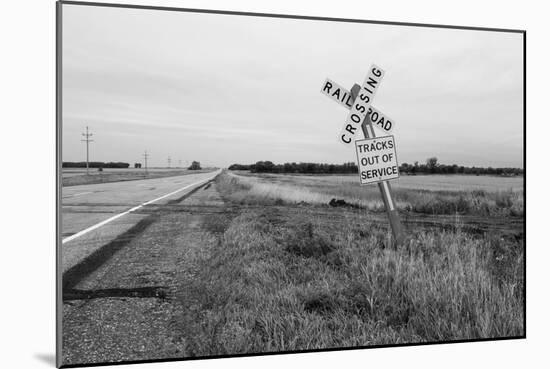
77,194
102,223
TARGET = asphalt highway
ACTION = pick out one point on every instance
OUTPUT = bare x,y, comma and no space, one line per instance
93,215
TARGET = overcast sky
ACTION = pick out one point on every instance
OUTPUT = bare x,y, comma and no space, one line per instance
225,89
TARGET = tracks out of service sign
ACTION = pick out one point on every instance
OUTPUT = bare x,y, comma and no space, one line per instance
376,159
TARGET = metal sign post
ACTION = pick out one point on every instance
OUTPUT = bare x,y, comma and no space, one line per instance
364,113
385,187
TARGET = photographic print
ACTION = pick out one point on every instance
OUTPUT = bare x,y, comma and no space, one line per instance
243,184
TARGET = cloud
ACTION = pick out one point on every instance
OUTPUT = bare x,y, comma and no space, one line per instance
178,84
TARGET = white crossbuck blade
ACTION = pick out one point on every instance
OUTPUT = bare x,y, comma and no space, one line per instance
343,96
362,103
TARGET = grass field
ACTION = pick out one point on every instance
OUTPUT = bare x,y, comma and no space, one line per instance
440,182
285,271
474,195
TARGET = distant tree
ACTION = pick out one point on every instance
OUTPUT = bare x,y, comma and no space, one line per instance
239,167
264,167
195,165
431,163
405,168
414,168
117,164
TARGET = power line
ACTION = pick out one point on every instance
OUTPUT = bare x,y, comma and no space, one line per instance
145,156
87,140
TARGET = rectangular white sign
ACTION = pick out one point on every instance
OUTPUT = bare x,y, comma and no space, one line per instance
376,159
344,98
361,106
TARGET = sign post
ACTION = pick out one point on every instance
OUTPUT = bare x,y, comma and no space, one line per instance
385,187
376,156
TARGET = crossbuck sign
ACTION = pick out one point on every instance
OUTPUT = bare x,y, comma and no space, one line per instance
376,156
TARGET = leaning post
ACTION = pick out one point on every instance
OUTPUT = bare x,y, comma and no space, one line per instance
385,188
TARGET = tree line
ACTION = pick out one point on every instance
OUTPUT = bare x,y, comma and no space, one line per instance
430,167
195,165
309,168
95,164
433,167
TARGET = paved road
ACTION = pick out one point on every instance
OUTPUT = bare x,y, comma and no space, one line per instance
136,303
93,215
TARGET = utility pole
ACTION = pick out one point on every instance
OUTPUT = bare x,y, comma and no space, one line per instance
179,163
169,161
145,156
87,140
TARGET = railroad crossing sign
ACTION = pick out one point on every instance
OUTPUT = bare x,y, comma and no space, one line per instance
362,103
343,97
376,156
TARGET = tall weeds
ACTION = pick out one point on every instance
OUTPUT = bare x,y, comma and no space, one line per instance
280,281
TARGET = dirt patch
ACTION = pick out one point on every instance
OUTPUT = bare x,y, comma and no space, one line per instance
342,202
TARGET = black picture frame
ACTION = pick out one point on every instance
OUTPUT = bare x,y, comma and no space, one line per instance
59,181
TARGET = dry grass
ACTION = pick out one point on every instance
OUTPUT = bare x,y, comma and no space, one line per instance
251,190
287,277
439,182
276,285
321,189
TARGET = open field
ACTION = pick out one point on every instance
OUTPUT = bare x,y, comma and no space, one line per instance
433,194
439,182
234,269
293,276
78,176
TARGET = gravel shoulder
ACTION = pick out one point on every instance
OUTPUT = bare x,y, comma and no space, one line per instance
123,310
